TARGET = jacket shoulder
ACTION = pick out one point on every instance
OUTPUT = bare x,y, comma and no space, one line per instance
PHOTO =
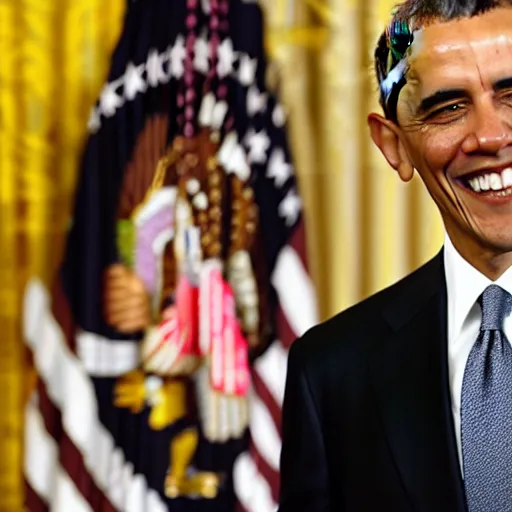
353,330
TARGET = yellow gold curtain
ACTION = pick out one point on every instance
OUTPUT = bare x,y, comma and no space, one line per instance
54,57
365,228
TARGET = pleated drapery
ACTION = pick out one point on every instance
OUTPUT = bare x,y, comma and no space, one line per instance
366,228
54,55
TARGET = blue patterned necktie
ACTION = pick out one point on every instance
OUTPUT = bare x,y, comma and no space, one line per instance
486,410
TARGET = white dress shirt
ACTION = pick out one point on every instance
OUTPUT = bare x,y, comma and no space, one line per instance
464,285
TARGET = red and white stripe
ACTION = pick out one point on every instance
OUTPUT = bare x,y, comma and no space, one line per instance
256,472
71,461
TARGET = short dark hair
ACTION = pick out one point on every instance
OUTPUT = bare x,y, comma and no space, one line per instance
445,10
422,12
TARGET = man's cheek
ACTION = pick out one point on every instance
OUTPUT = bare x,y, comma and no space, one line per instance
440,150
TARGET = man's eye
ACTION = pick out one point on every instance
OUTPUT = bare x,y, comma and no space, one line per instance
446,111
507,96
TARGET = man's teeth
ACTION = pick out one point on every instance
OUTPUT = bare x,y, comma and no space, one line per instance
492,181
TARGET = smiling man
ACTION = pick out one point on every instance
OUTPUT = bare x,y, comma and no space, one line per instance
404,402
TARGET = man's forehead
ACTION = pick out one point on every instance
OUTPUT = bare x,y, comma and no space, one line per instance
452,43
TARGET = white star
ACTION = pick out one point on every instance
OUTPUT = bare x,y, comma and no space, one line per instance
279,116
178,54
226,57
247,70
201,55
94,123
226,149
290,207
256,101
110,101
238,165
206,110
218,114
278,168
155,70
258,145
133,81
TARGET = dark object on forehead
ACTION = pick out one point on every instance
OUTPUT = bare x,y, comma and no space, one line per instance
423,11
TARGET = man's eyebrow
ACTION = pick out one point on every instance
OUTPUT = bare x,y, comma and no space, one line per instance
504,83
441,97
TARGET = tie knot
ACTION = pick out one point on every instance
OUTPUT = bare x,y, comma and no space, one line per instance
496,305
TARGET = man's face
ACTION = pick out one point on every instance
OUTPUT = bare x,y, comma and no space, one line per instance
455,123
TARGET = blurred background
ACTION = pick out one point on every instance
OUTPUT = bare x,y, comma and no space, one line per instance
365,229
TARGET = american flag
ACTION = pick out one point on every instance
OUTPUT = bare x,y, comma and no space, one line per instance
83,453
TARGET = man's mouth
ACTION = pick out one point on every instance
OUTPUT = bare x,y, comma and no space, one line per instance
490,182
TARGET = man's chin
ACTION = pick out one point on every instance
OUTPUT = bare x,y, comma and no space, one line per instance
497,242
481,242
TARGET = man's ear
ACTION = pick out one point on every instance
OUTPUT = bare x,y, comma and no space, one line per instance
385,136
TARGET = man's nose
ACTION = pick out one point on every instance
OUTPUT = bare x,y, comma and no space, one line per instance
491,131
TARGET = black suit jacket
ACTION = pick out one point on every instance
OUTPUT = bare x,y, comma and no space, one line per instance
367,421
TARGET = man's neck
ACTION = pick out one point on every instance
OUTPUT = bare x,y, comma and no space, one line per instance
490,262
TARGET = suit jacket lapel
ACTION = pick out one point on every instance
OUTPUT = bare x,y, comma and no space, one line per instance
411,383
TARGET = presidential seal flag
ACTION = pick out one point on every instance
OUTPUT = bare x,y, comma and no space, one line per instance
161,349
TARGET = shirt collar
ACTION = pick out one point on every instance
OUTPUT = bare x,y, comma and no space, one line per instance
464,284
